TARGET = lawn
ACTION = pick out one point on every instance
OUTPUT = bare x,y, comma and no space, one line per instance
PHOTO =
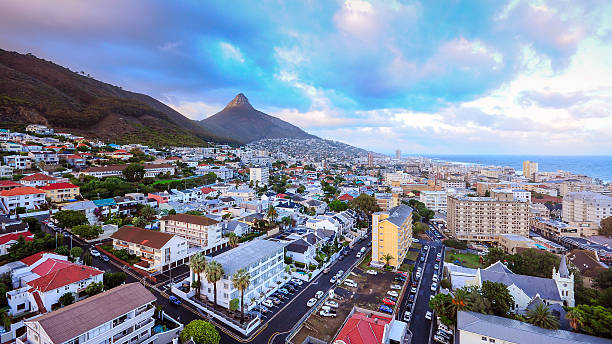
366,260
412,255
405,267
416,246
467,259
165,181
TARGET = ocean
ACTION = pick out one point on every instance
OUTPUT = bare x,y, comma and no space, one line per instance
592,166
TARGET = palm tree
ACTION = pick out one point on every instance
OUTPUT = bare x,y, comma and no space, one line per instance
575,318
272,214
241,281
214,273
438,305
233,239
387,257
197,263
459,302
542,317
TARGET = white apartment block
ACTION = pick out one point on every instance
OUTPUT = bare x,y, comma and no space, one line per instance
259,175
485,218
121,315
586,207
517,194
221,172
199,231
25,196
434,200
48,157
264,260
18,162
451,184
6,171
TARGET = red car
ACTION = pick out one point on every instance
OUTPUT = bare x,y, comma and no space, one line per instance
388,302
402,273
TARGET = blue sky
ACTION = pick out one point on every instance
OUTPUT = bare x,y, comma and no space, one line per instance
464,77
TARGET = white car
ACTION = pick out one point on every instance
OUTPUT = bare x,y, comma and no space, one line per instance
407,316
267,303
311,302
358,255
434,286
414,240
333,279
434,278
94,253
426,247
363,249
350,283
392,293
437,266
339,273
413,290
319,294
396,287
297,281
332,304
372,272
428,315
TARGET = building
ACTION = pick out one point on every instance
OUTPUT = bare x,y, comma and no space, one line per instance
370,160
483,219
48,157
517,194
586,210
151,170
478,328
123,314
26,196
61,192
264,260
386,201
554,229
391,235
512,243
199,231
221,172
451,184
18,162
363,326
6,171
38,179
259,175
530,169
9,239
157,251
9,184
434,200
398,154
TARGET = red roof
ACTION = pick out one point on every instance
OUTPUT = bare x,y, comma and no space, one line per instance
120,151
15,236
34,258
56,186
281,195
7,183
38,176
74,156
64,276
207,190
361,329
50,265
345,197
24,190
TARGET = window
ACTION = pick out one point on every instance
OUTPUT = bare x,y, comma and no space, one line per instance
484,338
491,340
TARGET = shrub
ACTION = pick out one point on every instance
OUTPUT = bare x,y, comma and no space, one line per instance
458,244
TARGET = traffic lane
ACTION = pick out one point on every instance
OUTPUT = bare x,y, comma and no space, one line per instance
420,326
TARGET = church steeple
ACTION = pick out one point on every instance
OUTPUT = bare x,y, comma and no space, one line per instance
563,271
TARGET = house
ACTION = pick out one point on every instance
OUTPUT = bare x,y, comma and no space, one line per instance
86,207
123,314
158,251
8,225
199,231
236,227
151,170
6,172
302,251
391,234
76,160
10,239
121,154
48,157
369,327
18,162
318,206
477,328
26,197
61,192
107,206
246,194
12,147
8,184
38,179
262,259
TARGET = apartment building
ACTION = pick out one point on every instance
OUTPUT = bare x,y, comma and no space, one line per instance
550,228
451,184
259,175
6,172
434,200
221,172
151,170
18,162
199,231
391,234
530,169
264,260
48,157
123,314
25,196
61,192
517,194
485,218
586,210
157,251
386,201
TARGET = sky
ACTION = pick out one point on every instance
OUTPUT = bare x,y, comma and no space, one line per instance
425,77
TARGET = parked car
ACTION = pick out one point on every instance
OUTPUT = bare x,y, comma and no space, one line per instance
319,294
350,283
94,252
326,270
426,247
392,298
174,300
311,302
436,266
341,258
358,254
275,300
325,313
445,329
411,298
428,315
363,249
393,293
297,281
434,286
434,278
415,240
339,273
372,272
444,334
268,303
333,279
284,291
385,309
407,316
413,290
422,258
105,258
331,303
440,339
388,302
396,287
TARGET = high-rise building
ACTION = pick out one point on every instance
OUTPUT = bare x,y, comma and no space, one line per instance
370,160
485,218
530,168
391,235
586,210
259,175
398,154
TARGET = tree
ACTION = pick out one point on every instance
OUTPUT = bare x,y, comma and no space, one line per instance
498,294
535,262
494,255
301,189
87,259
33,224
233,239
197,263
147,212
214,273
113,279
87,231
603,279
337,206
287,221
66,299
133,172
233,305
596,320
172,212
139,221
460,300
387,258
575,319
69,218
63,250
241,281
364,203
202,332
94,288
446,284
419,228
542,317
605,227
76,252
271,213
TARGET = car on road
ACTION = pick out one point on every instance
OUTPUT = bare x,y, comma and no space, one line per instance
388,302
268,303
413,290
434,286
333,279
372,272
319,294
441,340
94,252
411,298
358,255
350,283
385,309
415,240
436,266
407,316
297,281
331,303
396,287
392,293
174,300
311,302
326,270
105,258
428,315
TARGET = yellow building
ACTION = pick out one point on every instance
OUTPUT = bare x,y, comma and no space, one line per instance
391,235
61,192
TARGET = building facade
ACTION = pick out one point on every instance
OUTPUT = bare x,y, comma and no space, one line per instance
434,200
530,169
61,192
586,210
391,235
25,196
199,231
259,175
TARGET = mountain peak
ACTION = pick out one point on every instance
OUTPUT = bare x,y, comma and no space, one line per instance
240,100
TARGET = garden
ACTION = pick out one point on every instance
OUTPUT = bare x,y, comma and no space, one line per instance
122,254
467,260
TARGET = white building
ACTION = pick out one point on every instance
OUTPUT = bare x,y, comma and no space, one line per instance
221,172
434,200
259,175
6,171
199,231
48,157
18,162
587,207
265,262
26,197
123,314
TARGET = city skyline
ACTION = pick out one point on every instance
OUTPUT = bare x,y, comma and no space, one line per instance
423,77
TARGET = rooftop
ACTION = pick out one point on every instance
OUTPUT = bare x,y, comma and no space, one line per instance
142,236
188,218
247,253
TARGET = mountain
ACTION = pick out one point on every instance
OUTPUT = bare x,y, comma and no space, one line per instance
34,90
240,121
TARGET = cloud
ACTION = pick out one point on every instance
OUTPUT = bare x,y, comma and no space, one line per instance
551,99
